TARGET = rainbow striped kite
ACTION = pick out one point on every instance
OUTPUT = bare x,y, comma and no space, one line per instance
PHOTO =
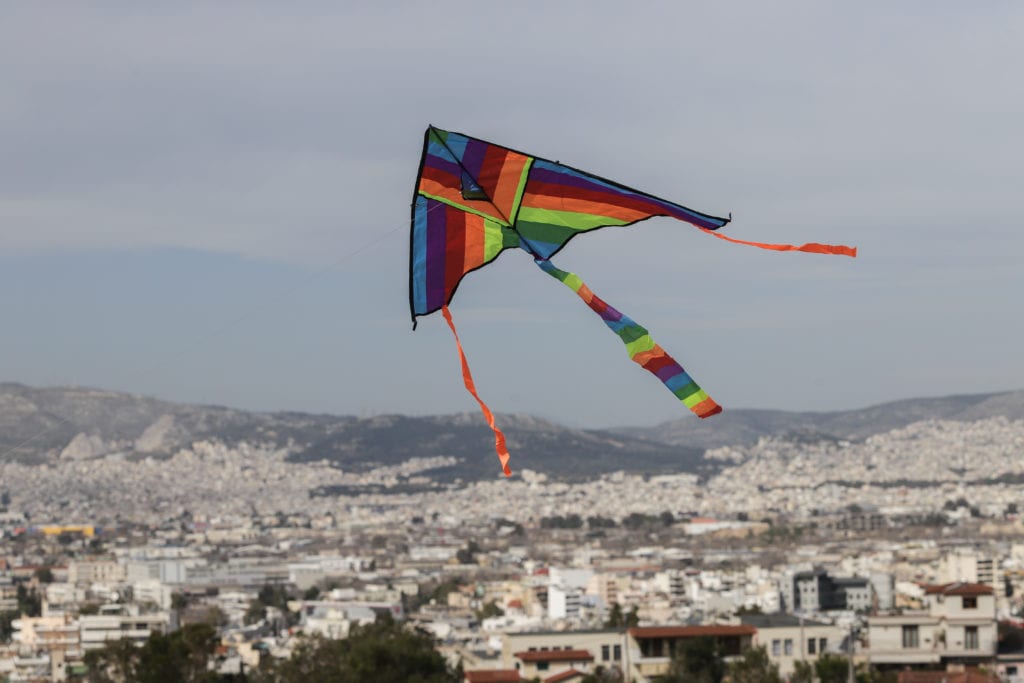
474,199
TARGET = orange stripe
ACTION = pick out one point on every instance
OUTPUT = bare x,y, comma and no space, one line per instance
706,408
467,379
544,201
474,243
810,247
644,356
508,182
584,293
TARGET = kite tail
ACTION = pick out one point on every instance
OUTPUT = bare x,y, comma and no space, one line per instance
640,346
810,247
467,378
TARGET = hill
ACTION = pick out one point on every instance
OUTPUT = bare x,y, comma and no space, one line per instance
47,425
744,426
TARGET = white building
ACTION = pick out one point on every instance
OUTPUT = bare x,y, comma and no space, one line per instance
958,625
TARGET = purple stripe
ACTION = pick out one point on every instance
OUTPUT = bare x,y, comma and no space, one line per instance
437,237
473,158
443,164
611,314
572,180
669,371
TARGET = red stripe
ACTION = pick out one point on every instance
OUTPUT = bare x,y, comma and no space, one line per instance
439,176
490,169
455,250
658,362
609,198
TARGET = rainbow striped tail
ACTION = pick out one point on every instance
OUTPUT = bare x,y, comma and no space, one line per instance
639,345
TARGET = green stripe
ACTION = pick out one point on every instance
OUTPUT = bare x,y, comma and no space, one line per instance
644,343
683,393
521,187
693,399
573,282
631,333
469,209
496,238
571,220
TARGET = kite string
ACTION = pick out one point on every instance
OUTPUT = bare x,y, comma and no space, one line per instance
467,379
218,331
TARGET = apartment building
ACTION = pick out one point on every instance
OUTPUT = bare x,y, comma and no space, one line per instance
956,626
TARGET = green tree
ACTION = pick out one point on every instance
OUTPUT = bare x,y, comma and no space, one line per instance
179,657
489,610
602,675
803,672
754,667
619,619
832,669
695,660
29,602
383,652
44,575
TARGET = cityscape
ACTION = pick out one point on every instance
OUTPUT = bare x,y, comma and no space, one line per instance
897,554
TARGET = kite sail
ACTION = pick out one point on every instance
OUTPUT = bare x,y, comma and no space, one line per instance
475,199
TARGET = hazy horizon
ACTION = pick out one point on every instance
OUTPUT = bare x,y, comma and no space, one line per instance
210,204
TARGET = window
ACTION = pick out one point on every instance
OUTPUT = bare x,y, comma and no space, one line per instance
787,646
617,653
822,645
910,637
810,646
970,602
605,653
776,647
543,666
970,637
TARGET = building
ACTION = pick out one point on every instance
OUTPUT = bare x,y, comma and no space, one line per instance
789,639
607,647
652,647
957,626
816,591
97,629
549,664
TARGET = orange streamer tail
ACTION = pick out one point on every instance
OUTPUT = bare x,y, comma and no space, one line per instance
467,378
811,247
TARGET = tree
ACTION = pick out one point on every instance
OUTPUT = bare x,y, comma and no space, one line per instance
803,672
619,619
182,656
29,602
383,652
44,575
832,669
695,660
754,667
489,610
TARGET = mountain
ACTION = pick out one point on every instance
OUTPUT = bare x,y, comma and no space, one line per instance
47,425
73,423
742,426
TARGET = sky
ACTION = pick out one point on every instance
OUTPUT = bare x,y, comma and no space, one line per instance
209,202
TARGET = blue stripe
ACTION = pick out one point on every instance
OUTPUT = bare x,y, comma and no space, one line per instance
419,256
678,381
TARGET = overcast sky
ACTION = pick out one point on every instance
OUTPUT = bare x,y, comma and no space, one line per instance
209,201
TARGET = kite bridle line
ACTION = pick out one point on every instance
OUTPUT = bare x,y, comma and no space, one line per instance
218,331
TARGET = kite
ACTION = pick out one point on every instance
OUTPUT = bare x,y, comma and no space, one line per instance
474,199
